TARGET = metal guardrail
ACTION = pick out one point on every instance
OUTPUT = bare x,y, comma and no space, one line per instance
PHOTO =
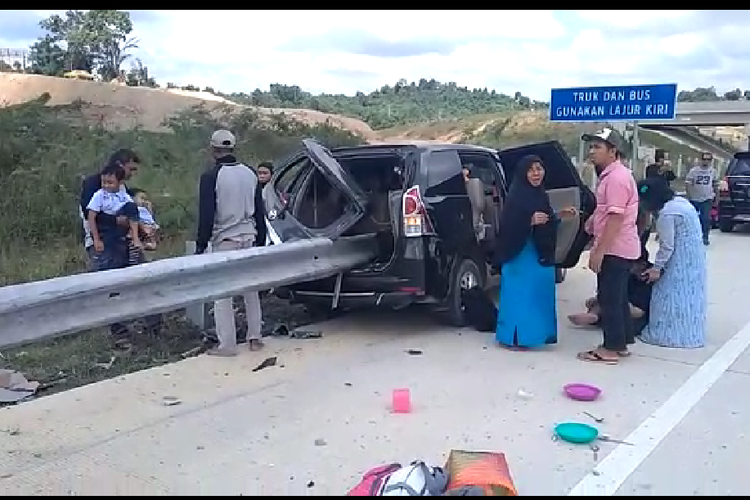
31,311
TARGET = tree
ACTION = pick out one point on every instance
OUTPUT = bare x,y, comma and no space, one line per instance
96,39
138,76
47,57
700,94
733,95
108,39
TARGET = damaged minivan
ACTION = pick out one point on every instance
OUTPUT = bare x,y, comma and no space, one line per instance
435,231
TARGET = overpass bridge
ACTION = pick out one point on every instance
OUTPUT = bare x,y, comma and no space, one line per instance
697,114
708,113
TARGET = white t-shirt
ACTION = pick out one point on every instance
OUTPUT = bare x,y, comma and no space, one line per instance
109,203
145,217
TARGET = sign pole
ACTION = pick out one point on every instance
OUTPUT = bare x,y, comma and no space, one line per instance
636,146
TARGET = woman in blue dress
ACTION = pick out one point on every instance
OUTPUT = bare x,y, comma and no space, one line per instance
678,298
527,315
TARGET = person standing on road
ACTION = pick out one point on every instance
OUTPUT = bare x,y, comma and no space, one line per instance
128,160
616,244
678,297
701,183
231,215
660,169
526,251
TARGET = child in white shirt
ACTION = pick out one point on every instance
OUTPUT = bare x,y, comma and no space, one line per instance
147,226
112,199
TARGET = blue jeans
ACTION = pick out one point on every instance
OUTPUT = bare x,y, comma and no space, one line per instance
704,214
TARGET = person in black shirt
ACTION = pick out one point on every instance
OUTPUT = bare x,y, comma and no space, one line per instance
660,168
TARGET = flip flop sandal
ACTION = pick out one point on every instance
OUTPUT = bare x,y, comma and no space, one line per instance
595,357
622,354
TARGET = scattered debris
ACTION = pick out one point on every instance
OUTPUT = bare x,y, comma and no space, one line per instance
280,331
608,439
171,401
521,394
320,442
108,365
596,419
43,386
265,364
414,352
193,352
306,334
14,387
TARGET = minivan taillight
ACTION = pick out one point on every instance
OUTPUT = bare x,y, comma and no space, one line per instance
724,187
414,214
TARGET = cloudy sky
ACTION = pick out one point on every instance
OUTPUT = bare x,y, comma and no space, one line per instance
346,51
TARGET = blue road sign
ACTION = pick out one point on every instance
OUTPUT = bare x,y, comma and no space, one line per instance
612,104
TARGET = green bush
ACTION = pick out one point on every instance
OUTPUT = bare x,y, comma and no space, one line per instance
44,155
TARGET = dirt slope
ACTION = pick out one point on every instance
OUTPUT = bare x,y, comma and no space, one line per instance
122,107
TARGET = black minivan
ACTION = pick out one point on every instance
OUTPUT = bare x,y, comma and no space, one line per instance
434,230
734,193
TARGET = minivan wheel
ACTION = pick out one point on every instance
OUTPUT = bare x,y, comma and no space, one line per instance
466,276
726,226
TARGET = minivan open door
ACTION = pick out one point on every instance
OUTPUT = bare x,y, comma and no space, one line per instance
293,193
565,188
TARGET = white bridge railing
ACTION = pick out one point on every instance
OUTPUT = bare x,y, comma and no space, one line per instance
31,311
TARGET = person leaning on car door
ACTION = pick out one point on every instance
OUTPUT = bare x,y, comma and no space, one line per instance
231,215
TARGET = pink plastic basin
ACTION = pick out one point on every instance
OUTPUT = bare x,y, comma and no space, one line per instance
582,392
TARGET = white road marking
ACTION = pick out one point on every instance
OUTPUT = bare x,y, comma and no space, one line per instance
611,473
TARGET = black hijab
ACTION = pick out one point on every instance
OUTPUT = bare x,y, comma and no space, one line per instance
515,221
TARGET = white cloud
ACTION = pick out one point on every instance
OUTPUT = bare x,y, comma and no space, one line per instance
528,51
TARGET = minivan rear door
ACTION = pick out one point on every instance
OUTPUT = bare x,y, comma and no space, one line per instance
565,189
738,180
288,184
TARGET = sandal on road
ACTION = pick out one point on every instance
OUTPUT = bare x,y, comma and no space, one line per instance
622,354
594,357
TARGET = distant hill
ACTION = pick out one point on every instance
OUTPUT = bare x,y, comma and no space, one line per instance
122,107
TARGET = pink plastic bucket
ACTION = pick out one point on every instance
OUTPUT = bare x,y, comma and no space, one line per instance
401,402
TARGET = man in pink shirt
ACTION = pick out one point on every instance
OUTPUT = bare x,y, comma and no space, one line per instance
616,244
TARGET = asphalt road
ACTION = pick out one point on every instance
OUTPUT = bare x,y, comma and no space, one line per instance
316,421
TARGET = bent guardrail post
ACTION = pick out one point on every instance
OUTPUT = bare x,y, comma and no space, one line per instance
31,311
196,313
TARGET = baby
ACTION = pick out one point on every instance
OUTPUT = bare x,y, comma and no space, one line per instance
112,199
147,226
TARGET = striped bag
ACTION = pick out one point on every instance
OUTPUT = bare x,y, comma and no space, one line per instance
478,473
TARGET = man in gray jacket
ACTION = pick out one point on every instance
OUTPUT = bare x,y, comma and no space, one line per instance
231,215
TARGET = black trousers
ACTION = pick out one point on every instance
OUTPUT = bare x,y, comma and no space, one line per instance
612,294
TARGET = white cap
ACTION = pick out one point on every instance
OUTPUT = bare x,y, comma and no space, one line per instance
223,139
